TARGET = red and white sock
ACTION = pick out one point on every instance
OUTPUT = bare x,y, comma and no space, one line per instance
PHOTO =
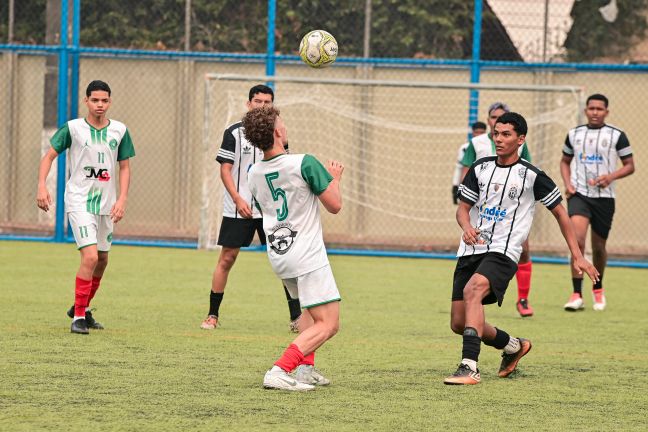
81,294
523,277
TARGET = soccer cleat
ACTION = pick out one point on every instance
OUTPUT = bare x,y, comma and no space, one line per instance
575,303
91,323
294,326
280,380
523,308
599,299
510,361
79,326
210,323
463,376
309,375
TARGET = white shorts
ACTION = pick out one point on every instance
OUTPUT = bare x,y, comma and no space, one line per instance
315,288
90,229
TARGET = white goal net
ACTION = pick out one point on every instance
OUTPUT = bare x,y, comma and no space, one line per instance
398,141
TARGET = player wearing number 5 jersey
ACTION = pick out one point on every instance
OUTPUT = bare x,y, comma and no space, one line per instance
96,145
288,189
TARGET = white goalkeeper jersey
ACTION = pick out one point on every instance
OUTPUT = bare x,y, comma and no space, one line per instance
285,188
503,204
92,161
595,152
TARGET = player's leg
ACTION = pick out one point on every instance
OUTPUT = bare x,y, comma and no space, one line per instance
579,214
523,277
226,261
104,242
602,215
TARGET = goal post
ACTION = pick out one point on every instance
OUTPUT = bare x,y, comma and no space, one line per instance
398,141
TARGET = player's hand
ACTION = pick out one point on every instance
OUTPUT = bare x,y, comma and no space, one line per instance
117,211
243,208
43,199
470,236
582,265
335,168
603,181
570,191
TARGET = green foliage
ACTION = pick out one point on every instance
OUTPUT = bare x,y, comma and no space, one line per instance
29,21
591,37
153,368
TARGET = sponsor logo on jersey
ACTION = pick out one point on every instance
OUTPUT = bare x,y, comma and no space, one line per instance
484,166
482,185
282,238
485,238
247,149
93,173
497,186
495,213
594,158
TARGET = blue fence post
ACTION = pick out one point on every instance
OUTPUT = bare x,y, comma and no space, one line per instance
270,49
473,112
62,116
74,76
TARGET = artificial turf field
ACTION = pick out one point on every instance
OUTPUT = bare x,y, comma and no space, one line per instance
153,368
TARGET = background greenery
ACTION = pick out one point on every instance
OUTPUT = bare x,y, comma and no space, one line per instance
154,369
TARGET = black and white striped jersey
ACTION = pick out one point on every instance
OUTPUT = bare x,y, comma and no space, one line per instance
503,203
236,150
595,152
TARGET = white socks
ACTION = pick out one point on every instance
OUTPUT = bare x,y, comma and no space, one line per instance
513,346
472,364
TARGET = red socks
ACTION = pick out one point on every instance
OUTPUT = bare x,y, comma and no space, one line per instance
290,359
523,277
95,286
309,359
81,296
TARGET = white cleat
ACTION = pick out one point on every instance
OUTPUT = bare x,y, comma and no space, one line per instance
309,375
280,380
575,303
599,300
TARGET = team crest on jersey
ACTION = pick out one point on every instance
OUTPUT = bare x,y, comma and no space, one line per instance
282,238
112,144
605,142
247,149
522,172
484,166
512,193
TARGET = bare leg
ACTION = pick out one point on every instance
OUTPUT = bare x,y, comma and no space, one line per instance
226,261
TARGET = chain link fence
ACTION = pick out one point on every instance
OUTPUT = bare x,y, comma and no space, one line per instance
155,54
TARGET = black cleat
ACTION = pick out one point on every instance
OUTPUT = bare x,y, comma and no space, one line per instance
91,323
510,361
79,326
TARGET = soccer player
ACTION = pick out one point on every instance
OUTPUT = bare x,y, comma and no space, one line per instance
498,198
598,147
287,189
240,217
478,128
483,146
96,146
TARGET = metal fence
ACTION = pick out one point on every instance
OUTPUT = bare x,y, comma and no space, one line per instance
155,54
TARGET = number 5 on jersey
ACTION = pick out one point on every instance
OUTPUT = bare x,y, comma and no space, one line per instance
282,213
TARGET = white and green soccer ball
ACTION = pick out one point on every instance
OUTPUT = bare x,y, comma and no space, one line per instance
318,49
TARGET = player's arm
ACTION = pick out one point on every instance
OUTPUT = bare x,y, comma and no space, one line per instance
43,197
468,196
624,151
565,167
119,208
331,198
242,207
580,263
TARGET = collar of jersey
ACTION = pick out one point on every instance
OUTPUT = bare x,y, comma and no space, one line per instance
273,157
596,128
86,120
509,165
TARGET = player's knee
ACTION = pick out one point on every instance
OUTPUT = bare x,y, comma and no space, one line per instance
89,260
226,262
456,326
102,260
474,291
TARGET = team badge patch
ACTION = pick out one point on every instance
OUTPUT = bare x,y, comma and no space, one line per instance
604,143
282,238
112,144
522,172
513,192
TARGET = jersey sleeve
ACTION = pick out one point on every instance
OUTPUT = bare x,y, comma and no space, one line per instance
469,187
470,156
314,173
126,149
62,139
546,191
568,150
526,155
623,148
227,150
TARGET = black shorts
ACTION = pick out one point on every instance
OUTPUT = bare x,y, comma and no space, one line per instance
238,232
494,266
599,211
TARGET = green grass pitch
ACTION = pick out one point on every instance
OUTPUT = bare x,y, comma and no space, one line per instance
153,368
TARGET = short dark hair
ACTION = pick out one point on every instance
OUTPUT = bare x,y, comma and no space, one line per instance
598,97
259,126
514,119
260,88
478,125
498,105
97,85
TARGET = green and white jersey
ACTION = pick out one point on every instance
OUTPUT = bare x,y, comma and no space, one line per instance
92,163
483,146
285,189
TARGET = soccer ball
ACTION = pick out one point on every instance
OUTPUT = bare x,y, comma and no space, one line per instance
318,49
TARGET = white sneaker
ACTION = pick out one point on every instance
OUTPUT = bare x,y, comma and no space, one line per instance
309,375
280,380
575,303
599,300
